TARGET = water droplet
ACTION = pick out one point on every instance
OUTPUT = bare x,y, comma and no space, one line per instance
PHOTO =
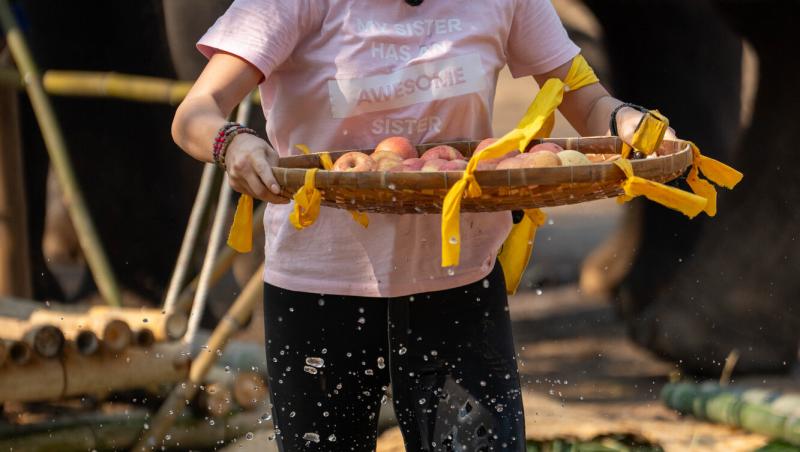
369,372
310,370
292,414
485,283
324,351
453,240
483,383
211,422
391,186
384,399
538,291
314,361
402,351
362,320
422,401
249,436
381,362
325,414
321,302
451,271
313,437
332,438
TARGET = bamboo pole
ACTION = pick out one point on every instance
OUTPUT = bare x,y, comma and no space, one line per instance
233,320
199,209
114,332
15,266
739,408
86,342
215,242
19,353
224,262
144,338
46,340
164,326
119,432
135,88
79,214
100,374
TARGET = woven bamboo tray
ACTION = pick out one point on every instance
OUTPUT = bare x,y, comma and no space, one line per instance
424,192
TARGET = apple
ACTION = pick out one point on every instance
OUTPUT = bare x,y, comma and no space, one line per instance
432,165
355,161
513,163
387,160
573,158
540,159
442,151
399,145
485,143
455,165
414,164
551,147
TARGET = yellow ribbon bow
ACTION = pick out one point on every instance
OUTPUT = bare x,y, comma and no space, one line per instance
674,198
240,236
325,158
716,171
306,202
537,123
517,249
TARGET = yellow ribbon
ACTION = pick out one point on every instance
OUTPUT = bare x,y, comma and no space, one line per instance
327,163
306,202
648,135
716,171
240,236
538,122
674,198
517,248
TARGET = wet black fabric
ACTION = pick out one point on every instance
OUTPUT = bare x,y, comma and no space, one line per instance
447,356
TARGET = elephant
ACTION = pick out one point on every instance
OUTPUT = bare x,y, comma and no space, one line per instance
138,186
693,291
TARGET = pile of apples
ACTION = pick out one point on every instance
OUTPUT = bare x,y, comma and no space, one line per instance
397,154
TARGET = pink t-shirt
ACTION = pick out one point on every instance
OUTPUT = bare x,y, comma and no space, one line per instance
344,74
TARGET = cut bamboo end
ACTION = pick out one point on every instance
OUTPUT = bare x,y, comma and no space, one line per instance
176,325
165,326
46,340
87,343
19,353
249,390
144,338
116,335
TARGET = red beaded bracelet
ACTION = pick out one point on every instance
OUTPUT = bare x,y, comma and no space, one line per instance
223,139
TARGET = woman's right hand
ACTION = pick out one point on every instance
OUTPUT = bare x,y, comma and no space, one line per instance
249,161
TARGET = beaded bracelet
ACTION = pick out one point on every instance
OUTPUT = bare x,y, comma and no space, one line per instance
225,135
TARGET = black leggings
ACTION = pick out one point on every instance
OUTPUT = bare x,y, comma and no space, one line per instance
448,357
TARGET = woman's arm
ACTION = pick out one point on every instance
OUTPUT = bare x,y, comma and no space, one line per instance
223,84
589,109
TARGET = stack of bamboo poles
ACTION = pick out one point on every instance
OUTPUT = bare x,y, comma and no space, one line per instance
53,352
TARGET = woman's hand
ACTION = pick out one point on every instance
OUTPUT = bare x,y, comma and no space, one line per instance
249,161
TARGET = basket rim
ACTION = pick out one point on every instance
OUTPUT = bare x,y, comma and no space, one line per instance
291,170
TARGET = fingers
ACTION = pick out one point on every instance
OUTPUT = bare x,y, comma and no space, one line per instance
263,170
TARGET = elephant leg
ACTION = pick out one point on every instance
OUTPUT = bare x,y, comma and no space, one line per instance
739,288
680,57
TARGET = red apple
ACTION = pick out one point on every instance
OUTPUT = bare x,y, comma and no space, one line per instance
355,161
442,151
485,143
551,147
399,145
386,160
434,164
414,164
512,163
455,165
540,159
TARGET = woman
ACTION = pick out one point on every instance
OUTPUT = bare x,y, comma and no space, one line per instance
349,311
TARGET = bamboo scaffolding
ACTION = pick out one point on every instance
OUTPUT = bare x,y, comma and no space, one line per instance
248,389
135,88
224,262
216,240
97,375
144,338
121,430
59,156
233,320
766,412
201,205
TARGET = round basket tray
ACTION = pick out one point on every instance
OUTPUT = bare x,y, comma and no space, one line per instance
510,189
